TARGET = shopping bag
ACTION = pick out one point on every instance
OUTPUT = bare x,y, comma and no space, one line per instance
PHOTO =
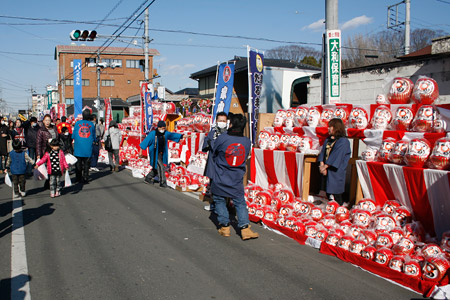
70,159
8,180
67,181
40,173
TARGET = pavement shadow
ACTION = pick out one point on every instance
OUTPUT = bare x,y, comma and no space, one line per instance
8,290
29,215
5,208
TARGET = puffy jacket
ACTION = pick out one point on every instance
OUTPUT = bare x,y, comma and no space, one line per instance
18,164
43,136
62,162
31,136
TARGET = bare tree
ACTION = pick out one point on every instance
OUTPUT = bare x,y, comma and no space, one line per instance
294,53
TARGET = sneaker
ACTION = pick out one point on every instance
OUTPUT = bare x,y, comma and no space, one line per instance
163,185
52,195
93,169
207,207
23,194
116,169
148,181
57,194
16,196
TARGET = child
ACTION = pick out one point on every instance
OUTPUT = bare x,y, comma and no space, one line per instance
56,166
65,139
17,162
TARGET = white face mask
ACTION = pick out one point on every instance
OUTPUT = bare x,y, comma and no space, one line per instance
222,125
66,133
161,130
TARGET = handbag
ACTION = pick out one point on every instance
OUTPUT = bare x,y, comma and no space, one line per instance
108,143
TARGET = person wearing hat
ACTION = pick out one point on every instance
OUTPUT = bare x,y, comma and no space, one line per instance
83,138
116,138
157,144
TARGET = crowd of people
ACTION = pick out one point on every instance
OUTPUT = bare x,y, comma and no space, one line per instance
25,145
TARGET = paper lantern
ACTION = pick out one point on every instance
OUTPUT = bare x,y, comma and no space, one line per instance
440,156
425,91
418,152
402,118
400,91
358,118
398,153
381,118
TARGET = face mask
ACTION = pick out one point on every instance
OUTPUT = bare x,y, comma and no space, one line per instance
222,125
33,124
66,133
161,130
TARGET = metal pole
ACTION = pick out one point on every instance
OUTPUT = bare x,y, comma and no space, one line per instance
407,25
98,74
331,23
146,42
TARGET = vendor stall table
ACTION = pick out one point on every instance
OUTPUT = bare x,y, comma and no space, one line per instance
425,192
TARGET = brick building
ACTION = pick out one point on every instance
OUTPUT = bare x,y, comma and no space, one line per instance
119,82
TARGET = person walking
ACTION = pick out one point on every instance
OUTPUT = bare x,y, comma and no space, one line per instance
333,160
31,130
18,132
4,137
56,166
157,144
17,163
115,135
65,140
230,152
220,127
83,137
96,145
46,133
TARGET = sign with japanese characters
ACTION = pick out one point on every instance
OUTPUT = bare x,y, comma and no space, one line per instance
334,65
148,99
225,80
108,113
256,68
77,94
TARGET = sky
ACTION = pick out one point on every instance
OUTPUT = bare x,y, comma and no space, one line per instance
181,31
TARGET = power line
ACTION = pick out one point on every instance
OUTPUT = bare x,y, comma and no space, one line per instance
443,1
30,54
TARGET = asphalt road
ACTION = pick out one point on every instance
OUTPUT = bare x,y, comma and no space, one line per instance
118,238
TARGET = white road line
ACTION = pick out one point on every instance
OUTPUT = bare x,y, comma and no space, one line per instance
20,284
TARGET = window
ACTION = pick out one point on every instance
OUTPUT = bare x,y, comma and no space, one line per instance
132,63
84,82
69,101
129,81
118,62
107,82
90,61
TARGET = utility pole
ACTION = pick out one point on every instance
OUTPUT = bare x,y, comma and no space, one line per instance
146,42
407,25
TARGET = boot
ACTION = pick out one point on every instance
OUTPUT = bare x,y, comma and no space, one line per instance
116,169
225,231
247,233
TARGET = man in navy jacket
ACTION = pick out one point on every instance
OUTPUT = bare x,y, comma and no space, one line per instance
230,152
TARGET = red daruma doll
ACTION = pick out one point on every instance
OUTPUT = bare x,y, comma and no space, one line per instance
400,91
425,91
440,156
418,152
402,118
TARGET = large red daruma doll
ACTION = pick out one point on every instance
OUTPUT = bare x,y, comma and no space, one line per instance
425,91
342,112
386,148
381,118
400,90
418,152
424,119
358,118
440,156
402,118
398,153
169,107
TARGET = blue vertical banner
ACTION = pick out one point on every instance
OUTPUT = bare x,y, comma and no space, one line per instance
77,92
225,80
256,68
148,95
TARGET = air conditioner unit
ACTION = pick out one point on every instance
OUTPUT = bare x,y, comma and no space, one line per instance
91,64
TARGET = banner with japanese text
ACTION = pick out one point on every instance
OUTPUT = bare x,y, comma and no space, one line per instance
334,65
148,108
108,113
225,80
77,89
256,69
61,110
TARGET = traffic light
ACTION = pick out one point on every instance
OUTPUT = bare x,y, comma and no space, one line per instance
85,35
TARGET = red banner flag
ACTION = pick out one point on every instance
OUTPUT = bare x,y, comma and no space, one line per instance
108,112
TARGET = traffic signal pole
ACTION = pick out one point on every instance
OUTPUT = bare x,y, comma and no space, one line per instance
146,42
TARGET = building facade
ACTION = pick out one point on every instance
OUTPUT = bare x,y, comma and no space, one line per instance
121,71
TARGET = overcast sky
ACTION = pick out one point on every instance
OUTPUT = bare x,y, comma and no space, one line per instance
181,31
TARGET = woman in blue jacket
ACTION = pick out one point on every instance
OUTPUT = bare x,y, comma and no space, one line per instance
333,160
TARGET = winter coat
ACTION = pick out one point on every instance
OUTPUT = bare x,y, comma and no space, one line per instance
4,140
151,143
116,137
208,145
66,143
337,165
229,156
43,136
17,162
18,133
62,162
31,136
83,137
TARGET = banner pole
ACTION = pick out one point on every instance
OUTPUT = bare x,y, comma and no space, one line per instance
215,91
250,98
